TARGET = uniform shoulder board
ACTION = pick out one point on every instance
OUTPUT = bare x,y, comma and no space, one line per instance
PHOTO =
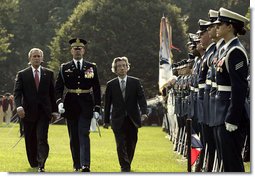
66,64
91,63
239,48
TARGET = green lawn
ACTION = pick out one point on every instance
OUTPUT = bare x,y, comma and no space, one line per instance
153,152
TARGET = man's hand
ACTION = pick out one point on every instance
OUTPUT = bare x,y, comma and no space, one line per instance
61,108
96,115
230,127
106,125
144,117
21,112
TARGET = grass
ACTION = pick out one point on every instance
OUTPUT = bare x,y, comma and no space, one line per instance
153,152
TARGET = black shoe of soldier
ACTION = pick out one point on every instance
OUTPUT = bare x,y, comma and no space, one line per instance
41,169
85,169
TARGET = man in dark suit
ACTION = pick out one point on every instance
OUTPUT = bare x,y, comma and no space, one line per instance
35,101
81,102
125,95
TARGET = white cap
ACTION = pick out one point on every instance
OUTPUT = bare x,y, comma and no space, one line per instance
228,16
213,15
203,24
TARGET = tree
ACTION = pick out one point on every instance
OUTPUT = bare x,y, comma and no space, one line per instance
7,17
120,28
26,24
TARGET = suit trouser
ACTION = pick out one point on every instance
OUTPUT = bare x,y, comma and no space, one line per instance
78,130
126,139
36,140
231,144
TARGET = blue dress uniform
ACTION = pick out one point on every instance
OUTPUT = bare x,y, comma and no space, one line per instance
82,98
213,89
203,68
232,84
212,110
194,87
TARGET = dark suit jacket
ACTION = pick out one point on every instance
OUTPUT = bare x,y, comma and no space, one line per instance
121,108
26,95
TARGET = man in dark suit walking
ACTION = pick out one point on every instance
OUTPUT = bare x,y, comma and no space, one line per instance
81,102
126,97
34,96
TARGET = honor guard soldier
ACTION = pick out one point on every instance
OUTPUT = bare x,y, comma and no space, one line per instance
7,108
81,102
191,63
202,100
232,85
198,52
246,148
208,132
213,15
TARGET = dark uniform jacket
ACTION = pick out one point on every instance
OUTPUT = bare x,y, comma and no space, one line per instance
71,78
232,71
33,101
132,105
203,113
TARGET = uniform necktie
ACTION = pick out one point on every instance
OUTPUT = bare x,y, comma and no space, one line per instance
123,88
37,79
78,65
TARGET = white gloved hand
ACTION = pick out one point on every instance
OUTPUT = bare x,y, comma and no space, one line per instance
230,127
96,115
61,108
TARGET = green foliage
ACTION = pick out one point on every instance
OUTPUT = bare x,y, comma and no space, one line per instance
4,43
151,145
120,28
248,15
7,11
32,24
112,27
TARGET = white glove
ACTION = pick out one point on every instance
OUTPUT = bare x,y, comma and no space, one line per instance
61,108
96,115
230,127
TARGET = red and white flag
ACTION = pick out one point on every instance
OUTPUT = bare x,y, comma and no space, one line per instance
196,147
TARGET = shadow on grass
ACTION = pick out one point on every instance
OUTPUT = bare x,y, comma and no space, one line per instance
32,170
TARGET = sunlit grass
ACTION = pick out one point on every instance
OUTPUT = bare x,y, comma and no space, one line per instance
153,152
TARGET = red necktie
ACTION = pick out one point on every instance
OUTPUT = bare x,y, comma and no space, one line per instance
36,79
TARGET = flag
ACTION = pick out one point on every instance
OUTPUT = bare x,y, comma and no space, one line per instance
165,54
196,147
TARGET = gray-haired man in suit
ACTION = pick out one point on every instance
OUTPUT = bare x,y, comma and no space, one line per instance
35,99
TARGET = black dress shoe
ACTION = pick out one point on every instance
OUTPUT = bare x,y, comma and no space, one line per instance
125,170
41,169
85,169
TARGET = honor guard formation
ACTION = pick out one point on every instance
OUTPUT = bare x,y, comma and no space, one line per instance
211,87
